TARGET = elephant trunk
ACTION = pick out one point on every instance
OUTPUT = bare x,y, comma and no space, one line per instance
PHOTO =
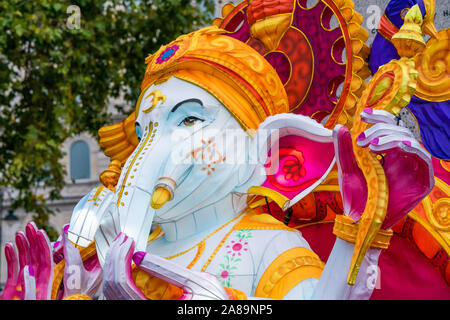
136,215
134,191
173,174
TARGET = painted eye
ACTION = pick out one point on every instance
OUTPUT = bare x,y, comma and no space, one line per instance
138,129
190,121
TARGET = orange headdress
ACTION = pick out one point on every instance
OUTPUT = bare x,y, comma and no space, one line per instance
236,74
264,57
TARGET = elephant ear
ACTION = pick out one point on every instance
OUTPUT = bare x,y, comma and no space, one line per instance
119,140
296,154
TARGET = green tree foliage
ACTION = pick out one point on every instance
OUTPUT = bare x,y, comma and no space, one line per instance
60,63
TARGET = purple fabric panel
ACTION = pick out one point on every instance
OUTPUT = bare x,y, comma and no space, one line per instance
381,52
433,119
422,7
394,9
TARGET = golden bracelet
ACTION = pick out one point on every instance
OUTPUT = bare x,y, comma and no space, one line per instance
78,297
346,229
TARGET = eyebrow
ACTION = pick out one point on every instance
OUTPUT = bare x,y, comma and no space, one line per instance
186,101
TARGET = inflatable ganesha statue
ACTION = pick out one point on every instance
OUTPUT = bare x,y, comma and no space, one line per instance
258,164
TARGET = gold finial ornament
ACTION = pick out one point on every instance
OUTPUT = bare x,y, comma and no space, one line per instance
269,22
409,39
110,176
271,29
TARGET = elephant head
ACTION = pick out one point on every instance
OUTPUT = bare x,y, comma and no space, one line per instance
210,119
194,153
184,160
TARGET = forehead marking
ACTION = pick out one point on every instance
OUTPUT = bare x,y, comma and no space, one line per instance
158,97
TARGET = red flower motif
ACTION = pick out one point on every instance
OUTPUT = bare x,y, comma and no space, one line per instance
289,167
236,247
293,170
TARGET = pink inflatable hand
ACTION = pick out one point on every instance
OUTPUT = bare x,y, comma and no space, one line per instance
14,282
196,285
78,278
58,250
30,269
351,179
41,260
118,283
406,164
408,167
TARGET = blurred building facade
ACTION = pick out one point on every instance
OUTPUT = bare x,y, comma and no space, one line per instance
84,160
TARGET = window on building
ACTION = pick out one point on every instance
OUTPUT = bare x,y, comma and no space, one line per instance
80,166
